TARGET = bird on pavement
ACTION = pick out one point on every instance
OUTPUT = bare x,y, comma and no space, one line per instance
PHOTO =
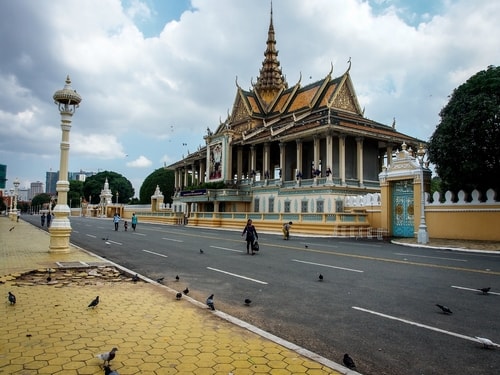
201,251
210,302
12,299
306,246
11,229
248,301
107,357
177,278
178,296
49,271
160,280
185,291
348,362
320,277
135,278
108,371
445,309
94,303
487,343
485,290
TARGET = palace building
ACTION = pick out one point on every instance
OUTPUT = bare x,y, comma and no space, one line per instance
287,149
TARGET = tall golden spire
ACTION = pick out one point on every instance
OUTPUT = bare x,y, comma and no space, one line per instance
270,81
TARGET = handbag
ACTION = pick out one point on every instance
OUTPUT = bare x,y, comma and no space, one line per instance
255,246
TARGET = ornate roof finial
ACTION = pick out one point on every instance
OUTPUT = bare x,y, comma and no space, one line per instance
271,79
394,122
349,62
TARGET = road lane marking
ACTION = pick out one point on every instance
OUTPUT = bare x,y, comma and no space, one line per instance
428,256
116,243
152,252
417,324
359,244
225,248
138,234
236,275
91,235
472,289
171,239
327,265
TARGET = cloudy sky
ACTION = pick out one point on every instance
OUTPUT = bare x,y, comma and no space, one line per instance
154,74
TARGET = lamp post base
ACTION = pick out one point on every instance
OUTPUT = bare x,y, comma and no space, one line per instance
60,230
422,236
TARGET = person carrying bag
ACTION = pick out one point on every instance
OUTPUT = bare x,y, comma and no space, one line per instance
251,236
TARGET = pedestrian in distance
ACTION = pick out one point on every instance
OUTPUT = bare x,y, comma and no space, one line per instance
251,235
116,220
125,225
134,221
49,219
42,219
286,230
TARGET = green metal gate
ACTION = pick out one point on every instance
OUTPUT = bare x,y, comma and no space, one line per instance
402,209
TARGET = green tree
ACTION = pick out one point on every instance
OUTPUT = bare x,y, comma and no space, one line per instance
117,183
465,147
75,193
39,200
165,179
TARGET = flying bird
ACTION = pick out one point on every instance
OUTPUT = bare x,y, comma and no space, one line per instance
487,343
94,303
177,278
445,309
210,302
178,296
108,371
248,302
12,299
160,280
320,277
201,251
186,291
135,278
485,290
348,362
107,357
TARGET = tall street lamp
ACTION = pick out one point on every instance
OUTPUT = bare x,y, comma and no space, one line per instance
423,235
67,101
16,193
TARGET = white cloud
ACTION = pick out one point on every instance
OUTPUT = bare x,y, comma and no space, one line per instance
140,162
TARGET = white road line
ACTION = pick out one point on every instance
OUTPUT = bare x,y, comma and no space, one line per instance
472,289
327,265
427,256
236,275
225,248
138,234
116,243
91,235
359,244
152,252
417,324
171,239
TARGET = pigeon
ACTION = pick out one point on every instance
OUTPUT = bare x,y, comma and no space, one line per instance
487,343
320,277
107,357
49,279
201,251
108,371
306,246
210,302
12,299
248,301
178,296
348,362
484,290
445,309
185,291
160,280
11,229
177,278
94,303
135,278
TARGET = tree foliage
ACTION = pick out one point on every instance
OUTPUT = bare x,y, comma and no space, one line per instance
40,199
117,183
465,147
75,193
165,179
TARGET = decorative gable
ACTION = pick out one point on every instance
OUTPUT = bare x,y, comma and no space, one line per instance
344,99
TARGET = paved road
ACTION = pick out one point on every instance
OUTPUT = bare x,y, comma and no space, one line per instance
376,302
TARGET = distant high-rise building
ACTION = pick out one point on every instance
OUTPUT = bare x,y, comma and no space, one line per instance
3,175
35,189
51,179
